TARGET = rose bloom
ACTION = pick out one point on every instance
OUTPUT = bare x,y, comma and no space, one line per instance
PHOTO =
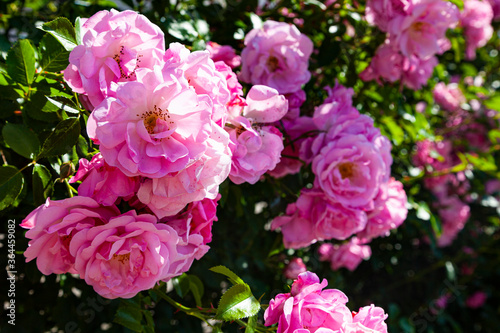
128,254
115,45
276,55
194,227
102,182
295,267
53,226
297,131
476,20
449,97
315,217
295,101
168,195
369,319
350,170
380,12
389,213
476,300
204,77
454,214
348,255
153,127
416,72
387,63
255,146
223,53
422,32
308,308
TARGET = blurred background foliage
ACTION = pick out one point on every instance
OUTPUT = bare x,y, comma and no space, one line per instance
407,271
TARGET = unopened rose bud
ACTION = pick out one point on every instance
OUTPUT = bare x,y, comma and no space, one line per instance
67,169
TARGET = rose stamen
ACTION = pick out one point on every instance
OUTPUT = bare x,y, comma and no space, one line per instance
346,170
272,63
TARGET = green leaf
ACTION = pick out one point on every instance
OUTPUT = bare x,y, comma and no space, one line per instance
130,317
62,29
183,30
21,62
235,279
494,136
397,134
493,103
42,184
62,139
54,56
459,3
20,139
63,103
78,29
237,303
251,325
11,185
485,164
181,285
197,288
315,3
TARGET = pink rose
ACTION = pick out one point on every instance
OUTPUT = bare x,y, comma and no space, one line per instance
53,226
277,55
224,53
153,127
350,170
308,308
348,255
314,217
255,146
255,151
454,214
233,85
339,94
102,182
449,97
416,72
295,101
476,20
295,267
476,300
389,213
380,12
204,76
422,31
298,231
296,131
194,227
115,45
495,5
371,317
168,195
128,254
387,63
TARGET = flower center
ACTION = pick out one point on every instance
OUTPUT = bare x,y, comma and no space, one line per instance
123,258
346,170
122,63
272,63
150,119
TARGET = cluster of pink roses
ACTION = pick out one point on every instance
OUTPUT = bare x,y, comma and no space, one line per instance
353,192
309,308
416,32
465,130
171,126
